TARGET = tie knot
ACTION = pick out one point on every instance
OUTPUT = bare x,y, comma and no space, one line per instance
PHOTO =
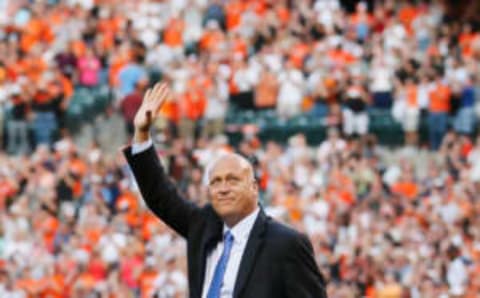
228,237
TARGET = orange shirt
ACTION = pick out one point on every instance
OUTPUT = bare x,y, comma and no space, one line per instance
465,40
294,211
48,227
298,54
170,110
27,42
406,15
232,86
341,188
259,6
110,26
67,86
407,189
202,82
79,48
283,14
29,285
93,235
239,46
118,63
7,189
149,221
172,35
411,95
35,31
32,67
57,18
210,40
370,292
77,188
194,103
440,99
87,280
433,51
341,57
127,200
54,286
107,29
147,282
132,219
233,13
78,166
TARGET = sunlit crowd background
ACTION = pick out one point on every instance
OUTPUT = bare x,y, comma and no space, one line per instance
360,119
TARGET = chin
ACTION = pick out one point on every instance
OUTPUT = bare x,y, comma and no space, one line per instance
225,212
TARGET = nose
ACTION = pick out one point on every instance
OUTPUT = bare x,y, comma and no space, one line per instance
223,188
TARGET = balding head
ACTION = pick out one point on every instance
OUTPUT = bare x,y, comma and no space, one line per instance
235,158
232,188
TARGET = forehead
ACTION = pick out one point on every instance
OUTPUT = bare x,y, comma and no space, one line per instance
228,165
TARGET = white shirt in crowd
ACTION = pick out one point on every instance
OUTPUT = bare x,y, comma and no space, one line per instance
246,78
457,276
423,95
290,94
217,102
381,78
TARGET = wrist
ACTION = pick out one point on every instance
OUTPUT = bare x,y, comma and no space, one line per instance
140,136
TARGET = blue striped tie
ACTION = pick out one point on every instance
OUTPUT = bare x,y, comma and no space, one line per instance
217,281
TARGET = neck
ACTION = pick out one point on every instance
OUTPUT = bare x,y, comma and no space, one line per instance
231,221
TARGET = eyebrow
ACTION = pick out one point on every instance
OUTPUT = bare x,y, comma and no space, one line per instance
228,175
215,178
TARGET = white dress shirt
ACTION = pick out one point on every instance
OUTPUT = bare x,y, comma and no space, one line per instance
140,147
240,233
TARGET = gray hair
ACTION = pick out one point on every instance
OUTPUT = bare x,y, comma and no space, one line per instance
214,161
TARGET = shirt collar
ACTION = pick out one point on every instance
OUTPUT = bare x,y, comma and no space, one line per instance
242,229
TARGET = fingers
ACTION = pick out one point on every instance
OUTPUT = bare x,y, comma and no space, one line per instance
147,94
158,90
162,93
165,96
155,97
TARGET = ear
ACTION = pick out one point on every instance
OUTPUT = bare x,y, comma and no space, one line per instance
209,193
255,185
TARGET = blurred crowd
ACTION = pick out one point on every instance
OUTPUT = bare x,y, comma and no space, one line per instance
72,222
296,57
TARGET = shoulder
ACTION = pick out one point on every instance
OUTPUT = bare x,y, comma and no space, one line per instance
285,236
209,217
208,212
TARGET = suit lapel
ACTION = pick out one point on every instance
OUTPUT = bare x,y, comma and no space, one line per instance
212,235
254,244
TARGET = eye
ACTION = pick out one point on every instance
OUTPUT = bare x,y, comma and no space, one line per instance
214,182
233,179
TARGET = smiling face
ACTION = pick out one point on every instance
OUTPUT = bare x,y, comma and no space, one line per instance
232,188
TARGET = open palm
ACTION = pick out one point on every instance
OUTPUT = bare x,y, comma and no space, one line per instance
153,101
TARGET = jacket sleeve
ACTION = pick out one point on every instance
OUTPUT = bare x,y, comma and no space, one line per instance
159,193
302,276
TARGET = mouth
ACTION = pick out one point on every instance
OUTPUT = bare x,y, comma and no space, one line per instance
225,200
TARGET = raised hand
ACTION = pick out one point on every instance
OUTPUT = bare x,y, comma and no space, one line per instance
153,101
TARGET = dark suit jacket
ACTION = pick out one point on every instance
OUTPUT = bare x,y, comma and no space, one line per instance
277,261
